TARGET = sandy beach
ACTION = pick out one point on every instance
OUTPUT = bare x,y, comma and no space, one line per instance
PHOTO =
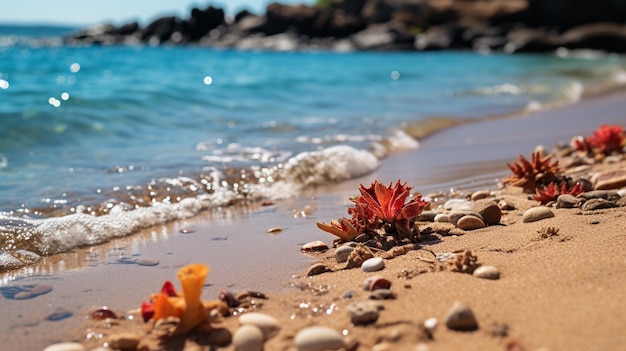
562,291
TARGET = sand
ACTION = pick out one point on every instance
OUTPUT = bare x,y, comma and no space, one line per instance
561,292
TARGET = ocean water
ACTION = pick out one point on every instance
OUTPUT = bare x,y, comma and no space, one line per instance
99,142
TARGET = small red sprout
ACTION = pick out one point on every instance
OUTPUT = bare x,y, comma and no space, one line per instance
529,174
552,191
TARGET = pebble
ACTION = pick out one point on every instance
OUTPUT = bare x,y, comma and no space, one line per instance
442,218
598,204
461,317
275,230
568,201
26,256
373,264
376,282
455,215
426,216
248,338
535,214
317,246
506,205
382,294
220,337
317,268
103,313
59,315
457,203
124,341
342,253
600,194
147,262
430,325
364,312
228,297
470,223
456,232
318,338
480,194
487,272
65,346
622,192
29,292
268,325
488,210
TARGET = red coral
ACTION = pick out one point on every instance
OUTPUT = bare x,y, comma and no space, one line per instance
379,205
604,141
552,191
147,308
529,174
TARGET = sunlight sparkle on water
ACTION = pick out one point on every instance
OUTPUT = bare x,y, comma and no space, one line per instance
65,96
4,84
54,102
395,75
74,67
208,80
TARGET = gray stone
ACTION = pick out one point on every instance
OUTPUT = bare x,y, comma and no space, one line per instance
442,218
318,338
317,268
480,194
342,253
373,264
124,341
600,194
609,180
568,201
364,312
506,205
461,317
426,216
599,204
470,223
457,203
455,215
487,272
535,214
382,294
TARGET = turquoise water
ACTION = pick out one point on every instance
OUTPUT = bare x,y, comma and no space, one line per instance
106,137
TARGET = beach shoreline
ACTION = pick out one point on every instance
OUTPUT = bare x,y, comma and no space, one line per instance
243,255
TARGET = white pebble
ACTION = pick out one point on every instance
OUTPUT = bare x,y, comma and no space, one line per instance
65,346
373,264
318,339
248,338
442,218
536,214
431,324
267,324
487,272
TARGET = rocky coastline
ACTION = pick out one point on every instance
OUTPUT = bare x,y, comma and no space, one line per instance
509,26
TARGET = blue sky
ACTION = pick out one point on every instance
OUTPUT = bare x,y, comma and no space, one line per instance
88,12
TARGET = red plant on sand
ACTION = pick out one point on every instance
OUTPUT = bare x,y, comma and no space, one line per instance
604,141
529,174
377,207
552,191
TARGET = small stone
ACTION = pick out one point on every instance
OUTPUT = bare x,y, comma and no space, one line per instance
480,194
103,313
267,324
455,215
461,317
58,315
487,272
430,325
318,338
317,246
376,282
382,294
535,214
364,312
317,268
506,205
275,230
456,232
373,264
65,346
622,193
8,262
453,204
147,262
124,341
426,216
470,223
600,194
488,210
343,252
442,218
360,254
248,338
598,204
26,256
568,201
31,291
228,298
220,337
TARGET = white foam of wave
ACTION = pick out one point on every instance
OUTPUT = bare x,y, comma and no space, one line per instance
573,92
332,164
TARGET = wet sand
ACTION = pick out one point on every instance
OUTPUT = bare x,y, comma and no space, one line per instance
555,294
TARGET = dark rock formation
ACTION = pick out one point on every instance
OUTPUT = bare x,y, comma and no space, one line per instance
486,25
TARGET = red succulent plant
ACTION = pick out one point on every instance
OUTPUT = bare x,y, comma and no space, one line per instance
379,206
604,141
147,308
552,191
530,174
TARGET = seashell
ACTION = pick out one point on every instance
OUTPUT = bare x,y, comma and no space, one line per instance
268,325
373,264
376,282
103,313
318,338
314,246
